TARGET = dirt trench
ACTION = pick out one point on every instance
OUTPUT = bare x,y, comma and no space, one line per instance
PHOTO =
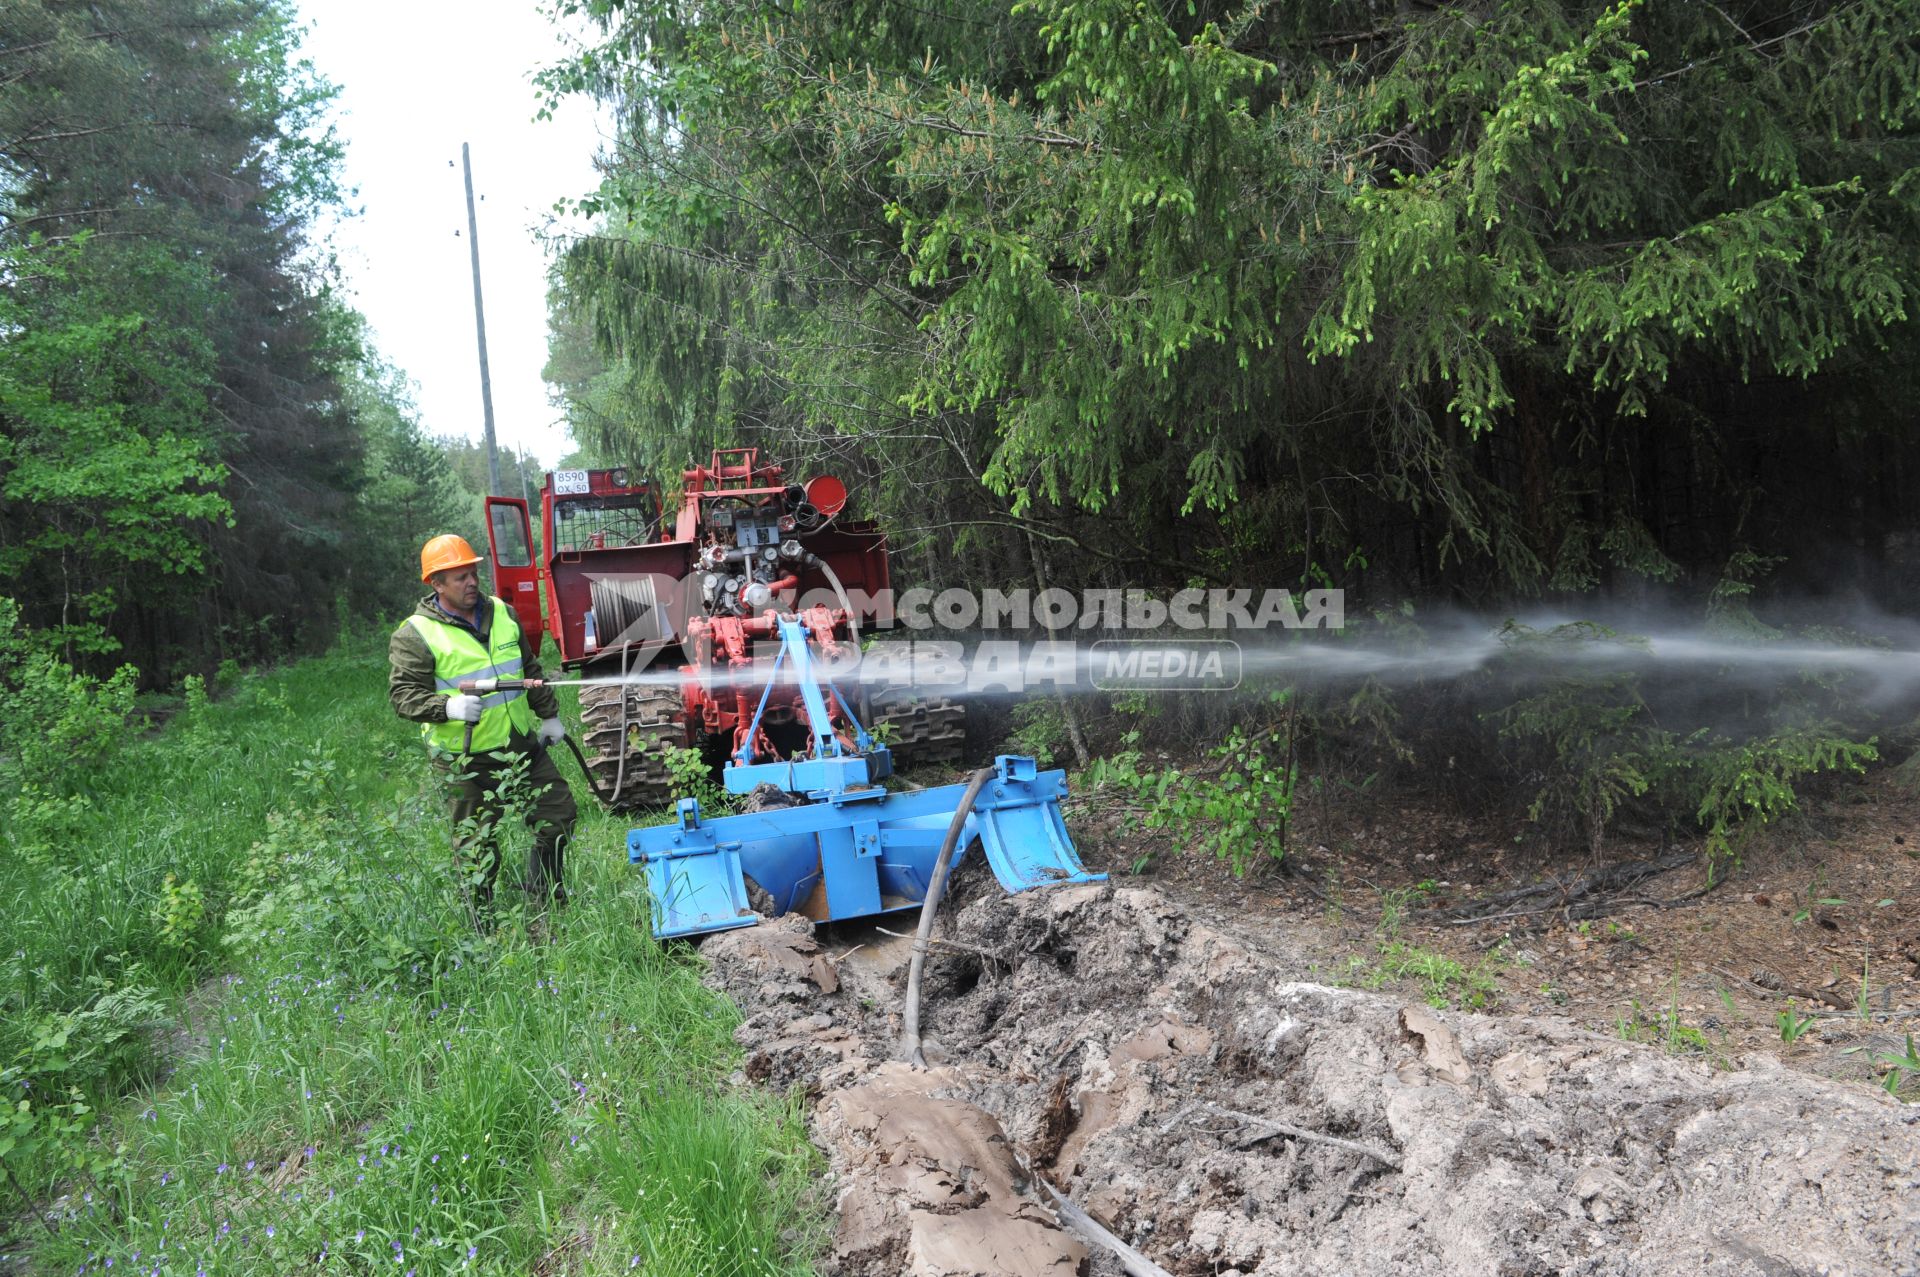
1226,1118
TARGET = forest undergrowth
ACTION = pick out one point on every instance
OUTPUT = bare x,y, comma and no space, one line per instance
249,1027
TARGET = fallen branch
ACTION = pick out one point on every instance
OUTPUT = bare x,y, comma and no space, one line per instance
1283,1128
1556,895
1301,874
1582,910
1502,917
976,950
1087,1226
1832,997
1690,896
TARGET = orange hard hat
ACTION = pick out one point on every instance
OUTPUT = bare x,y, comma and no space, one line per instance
445,552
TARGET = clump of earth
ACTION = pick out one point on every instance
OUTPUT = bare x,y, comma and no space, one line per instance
1183,1086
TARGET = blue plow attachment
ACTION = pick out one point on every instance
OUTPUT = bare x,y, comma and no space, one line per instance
851,853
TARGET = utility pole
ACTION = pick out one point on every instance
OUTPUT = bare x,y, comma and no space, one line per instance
480,323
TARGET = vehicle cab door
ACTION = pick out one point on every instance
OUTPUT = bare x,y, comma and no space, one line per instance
510,538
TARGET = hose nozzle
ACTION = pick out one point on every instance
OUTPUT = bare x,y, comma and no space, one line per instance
487,686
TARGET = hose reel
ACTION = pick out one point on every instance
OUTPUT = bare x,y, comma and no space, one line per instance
625,610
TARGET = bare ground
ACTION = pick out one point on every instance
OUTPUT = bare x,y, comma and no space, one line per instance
1820,917
1176,1056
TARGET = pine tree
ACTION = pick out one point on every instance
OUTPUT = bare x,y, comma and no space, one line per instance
1514,296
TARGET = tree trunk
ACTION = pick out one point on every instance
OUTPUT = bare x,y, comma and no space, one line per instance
1075,736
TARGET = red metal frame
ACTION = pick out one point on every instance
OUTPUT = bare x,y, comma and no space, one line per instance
567,573
727,642
519,586
562,580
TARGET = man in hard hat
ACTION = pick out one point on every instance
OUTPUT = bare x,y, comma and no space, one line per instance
456,634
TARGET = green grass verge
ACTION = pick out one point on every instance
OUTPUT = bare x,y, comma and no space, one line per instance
382,1090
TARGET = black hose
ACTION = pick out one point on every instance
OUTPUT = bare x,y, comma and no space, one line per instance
936,887
605,798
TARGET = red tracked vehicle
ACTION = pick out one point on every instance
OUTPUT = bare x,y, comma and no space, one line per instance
622,592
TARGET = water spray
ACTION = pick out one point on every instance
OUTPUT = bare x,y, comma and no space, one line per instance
1459,654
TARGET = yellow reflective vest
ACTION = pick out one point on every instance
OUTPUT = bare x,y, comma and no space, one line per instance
458,656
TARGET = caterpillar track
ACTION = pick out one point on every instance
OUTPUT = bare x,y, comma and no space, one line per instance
924,730
653,718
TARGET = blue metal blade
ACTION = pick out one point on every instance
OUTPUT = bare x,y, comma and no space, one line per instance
872,848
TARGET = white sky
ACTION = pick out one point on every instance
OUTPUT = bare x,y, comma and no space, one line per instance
417,78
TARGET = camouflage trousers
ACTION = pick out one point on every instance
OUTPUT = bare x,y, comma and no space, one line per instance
476,805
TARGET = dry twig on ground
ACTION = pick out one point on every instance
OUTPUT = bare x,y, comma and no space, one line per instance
1281,1128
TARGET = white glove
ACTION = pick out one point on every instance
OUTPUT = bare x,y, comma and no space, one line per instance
462,708
551,730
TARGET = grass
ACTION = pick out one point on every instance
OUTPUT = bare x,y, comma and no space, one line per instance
1444,981
1901,1066
1664,1028
379,1088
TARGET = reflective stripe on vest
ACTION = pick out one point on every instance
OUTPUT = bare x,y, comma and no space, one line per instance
459,657
505,669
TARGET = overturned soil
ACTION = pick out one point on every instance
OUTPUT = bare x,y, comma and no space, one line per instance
1173,1069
